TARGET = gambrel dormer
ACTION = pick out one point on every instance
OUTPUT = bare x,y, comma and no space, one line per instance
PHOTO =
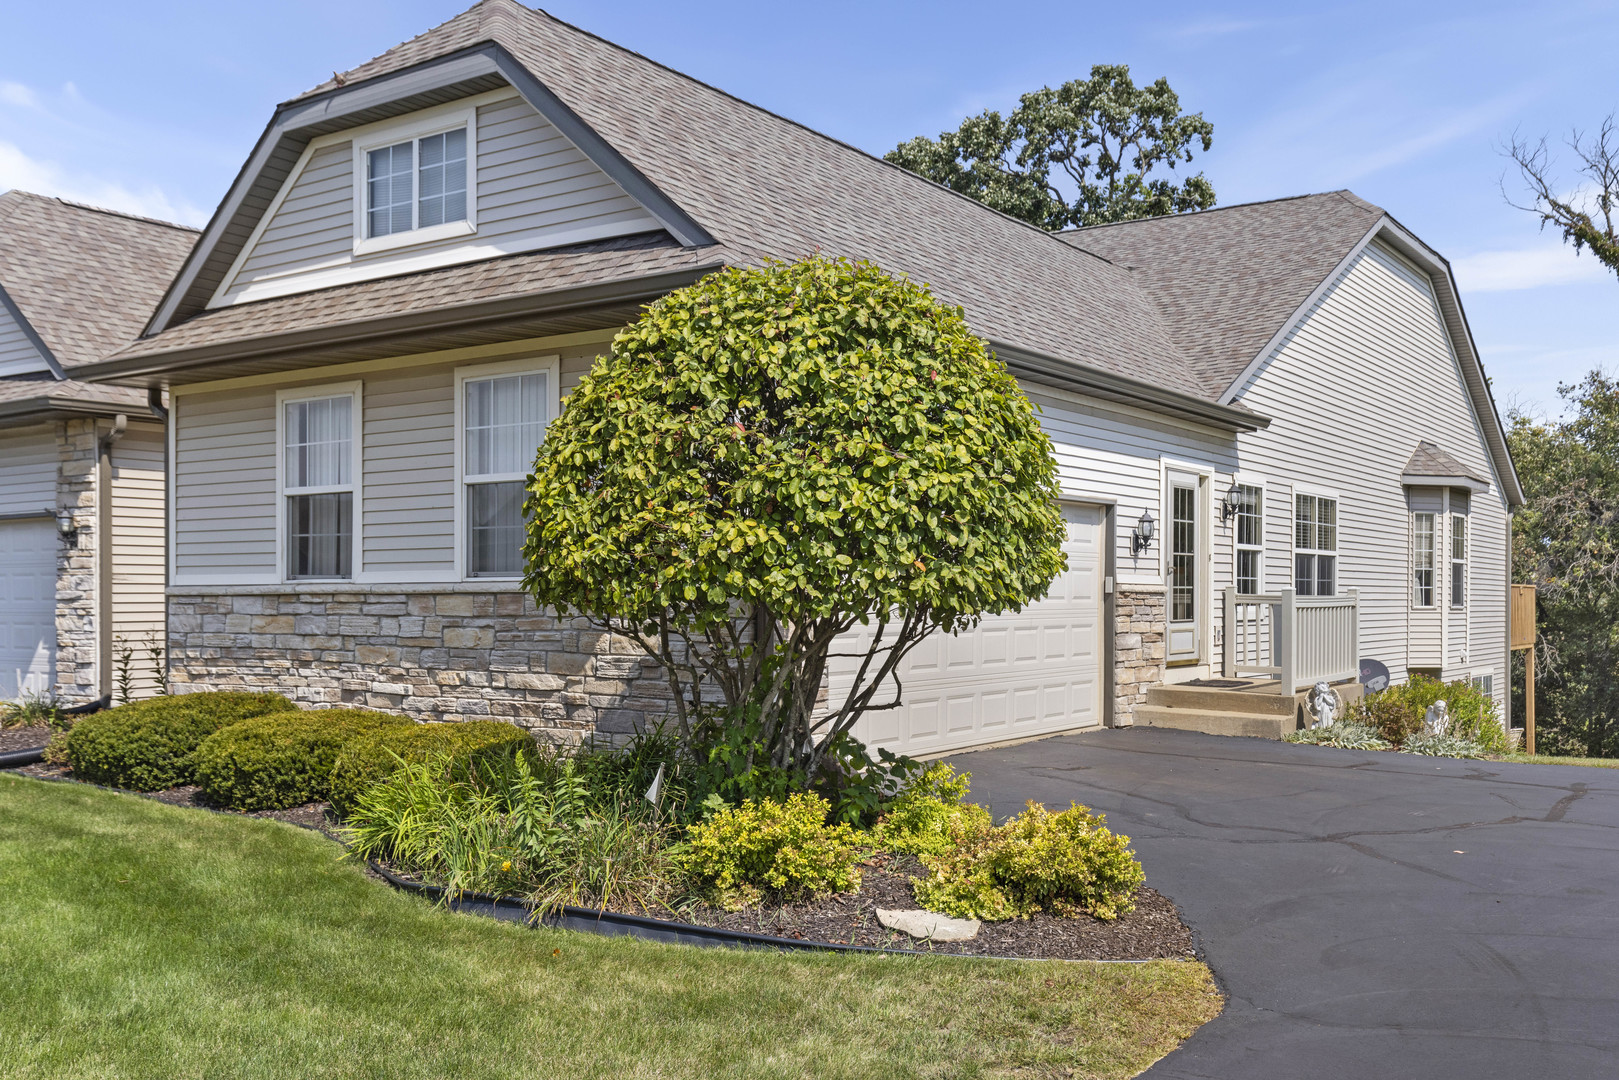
474,178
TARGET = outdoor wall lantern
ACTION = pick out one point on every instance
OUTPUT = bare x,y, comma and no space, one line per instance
1232,503
1141,536
68,529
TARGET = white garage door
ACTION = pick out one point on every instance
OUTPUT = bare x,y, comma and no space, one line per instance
27,607
1012,676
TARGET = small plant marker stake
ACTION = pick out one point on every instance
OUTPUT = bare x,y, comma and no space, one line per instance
656,789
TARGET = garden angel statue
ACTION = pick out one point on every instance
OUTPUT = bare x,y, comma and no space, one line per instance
1437,719
1324,704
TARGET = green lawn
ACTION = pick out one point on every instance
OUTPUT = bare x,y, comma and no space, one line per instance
1550,759
145,940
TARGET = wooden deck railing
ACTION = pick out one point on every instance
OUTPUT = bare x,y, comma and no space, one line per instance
1296,640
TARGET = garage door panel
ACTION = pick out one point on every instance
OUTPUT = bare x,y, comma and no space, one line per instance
1013,675
27,607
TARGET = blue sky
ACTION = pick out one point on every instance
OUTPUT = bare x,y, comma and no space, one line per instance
152,108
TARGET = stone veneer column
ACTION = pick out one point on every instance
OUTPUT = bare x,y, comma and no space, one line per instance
1138,649
432,652
76,650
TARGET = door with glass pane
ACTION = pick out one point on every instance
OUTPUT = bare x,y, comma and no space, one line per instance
1183,550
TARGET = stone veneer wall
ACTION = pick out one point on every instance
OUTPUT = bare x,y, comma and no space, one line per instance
76,651
438,652
1139,619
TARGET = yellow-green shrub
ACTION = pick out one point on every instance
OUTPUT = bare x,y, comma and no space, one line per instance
1399,712
785,849
920,821
1064,863
274,762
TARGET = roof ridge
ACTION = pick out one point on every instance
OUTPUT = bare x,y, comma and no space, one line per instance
340,77
121,213
1340,192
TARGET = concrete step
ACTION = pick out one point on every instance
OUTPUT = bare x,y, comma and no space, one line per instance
1211,722
1207,699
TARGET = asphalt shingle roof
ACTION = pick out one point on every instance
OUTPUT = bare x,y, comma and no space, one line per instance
1430,460
1227,279
86,279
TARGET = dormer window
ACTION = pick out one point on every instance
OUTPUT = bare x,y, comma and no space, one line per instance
417,184
415,180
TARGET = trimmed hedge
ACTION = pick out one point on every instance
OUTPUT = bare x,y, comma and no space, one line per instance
282,760
372,758
148,745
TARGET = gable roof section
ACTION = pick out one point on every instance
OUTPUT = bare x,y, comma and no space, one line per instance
749,185
80,280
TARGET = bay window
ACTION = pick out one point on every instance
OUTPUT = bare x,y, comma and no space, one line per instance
1422,559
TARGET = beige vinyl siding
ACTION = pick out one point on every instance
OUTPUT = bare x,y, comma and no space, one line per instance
1366,375
534,190
18,354
314,225
224,487
409,466
28,459
137,551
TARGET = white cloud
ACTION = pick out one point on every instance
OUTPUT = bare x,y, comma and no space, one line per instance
1526,268
15,93
19,170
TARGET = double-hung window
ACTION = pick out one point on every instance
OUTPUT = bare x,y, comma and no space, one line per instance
1250,538
317,484
416,184
1315,545
504,412
1458,560
1423,551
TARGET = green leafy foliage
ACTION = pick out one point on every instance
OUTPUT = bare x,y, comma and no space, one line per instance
33,710
148,745
283,759
929,815
372,757
785,849
1065,863
771,457
1102,137
1398,713
1459,746
1346,734
515,822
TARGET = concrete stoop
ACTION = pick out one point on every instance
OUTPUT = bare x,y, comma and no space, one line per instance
1248,710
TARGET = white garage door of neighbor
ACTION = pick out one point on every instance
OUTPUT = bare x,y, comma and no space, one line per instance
27,607
1012,676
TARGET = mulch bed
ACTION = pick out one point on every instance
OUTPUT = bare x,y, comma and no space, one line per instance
1153,931
23,738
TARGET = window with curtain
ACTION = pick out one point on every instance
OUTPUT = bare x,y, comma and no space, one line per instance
1458,560
1422,559
417,184
504,418
1250,538
318,485
1315,545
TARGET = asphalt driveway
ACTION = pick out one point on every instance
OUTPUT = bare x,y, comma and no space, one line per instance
1369,914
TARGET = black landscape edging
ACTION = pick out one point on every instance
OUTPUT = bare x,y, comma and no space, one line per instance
646,928
16,759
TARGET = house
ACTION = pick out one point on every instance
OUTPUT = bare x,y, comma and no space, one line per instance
1278,451
81,465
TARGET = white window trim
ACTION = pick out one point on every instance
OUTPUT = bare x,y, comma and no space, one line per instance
1264,496
413,128
1451,560
315,393
1437,534
551,366
1294,551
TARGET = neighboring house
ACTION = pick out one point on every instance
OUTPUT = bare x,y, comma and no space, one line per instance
423,255
79,463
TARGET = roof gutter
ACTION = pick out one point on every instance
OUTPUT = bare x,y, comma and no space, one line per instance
140,370
47,407
1121,388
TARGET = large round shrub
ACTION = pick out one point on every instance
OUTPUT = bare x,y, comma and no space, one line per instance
285,759
148,745
371,758
773,456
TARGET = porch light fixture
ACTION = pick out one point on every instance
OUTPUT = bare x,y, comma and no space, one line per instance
1231,503
68,529
1141,535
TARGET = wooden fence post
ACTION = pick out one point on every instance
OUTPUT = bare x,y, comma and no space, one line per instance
1529,702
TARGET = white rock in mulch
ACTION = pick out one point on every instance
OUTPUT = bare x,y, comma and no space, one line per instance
928,925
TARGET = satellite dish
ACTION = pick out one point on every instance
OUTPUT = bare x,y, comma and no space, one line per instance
1374,675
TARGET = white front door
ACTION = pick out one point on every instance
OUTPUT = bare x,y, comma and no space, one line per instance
27,607
1183,550
1034,672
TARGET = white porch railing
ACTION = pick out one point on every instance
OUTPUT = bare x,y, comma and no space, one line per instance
1296,640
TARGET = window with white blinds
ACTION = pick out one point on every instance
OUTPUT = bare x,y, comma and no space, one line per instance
317,484
503,419
1315,545
416,184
